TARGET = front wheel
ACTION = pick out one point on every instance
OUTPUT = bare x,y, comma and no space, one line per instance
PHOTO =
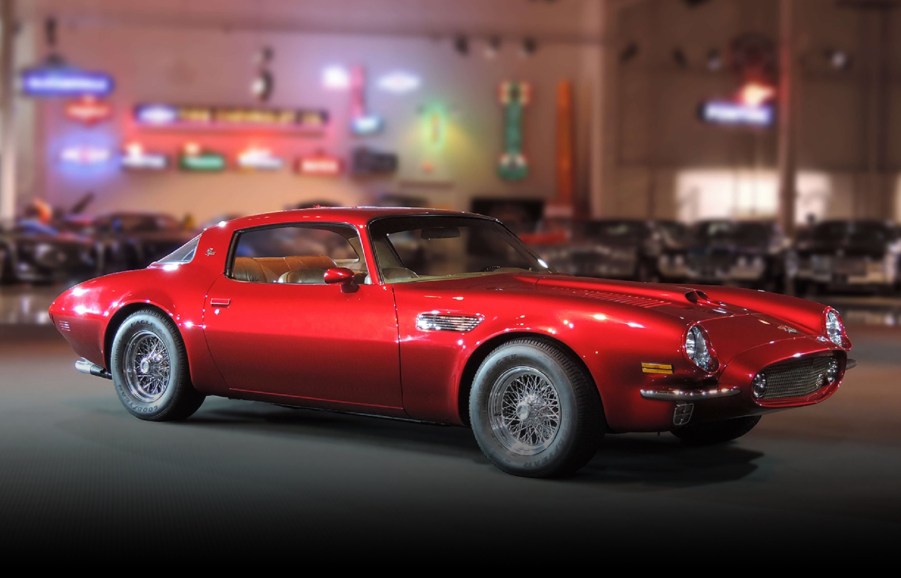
716,432
534,411
150,369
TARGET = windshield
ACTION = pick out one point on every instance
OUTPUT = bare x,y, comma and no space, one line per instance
138,223
850,232
732,232
435,247
625,231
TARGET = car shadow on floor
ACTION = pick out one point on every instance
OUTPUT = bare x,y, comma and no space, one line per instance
642,460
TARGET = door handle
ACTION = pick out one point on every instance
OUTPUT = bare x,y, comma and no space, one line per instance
219,302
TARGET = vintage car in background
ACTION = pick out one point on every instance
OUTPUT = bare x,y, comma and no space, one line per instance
845,254
130,240
607,248
446,317
34,252
720,251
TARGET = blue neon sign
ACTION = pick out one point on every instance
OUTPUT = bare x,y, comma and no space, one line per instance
734,113
48,82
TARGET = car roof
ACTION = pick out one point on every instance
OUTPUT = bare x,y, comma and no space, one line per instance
357,216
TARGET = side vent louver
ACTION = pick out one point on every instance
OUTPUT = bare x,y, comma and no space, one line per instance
447,322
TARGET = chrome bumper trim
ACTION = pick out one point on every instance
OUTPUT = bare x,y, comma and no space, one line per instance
850,364
690,394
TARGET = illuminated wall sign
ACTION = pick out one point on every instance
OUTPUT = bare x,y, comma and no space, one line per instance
135,158
319,165
48,82
399,82
336,78
88,110
194,159
85,155
514,97
733,113
259,159
226,117
362,123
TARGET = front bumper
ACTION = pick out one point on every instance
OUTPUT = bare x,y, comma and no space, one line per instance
662,404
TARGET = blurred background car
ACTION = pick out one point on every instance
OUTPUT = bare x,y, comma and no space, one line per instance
841,255
746,253
133,240
32,252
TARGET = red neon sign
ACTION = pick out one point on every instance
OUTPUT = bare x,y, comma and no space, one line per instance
88,110
320,166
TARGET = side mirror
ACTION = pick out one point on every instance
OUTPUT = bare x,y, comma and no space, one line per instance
340,276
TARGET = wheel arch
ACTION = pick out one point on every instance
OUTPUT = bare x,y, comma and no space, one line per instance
120,316
484,350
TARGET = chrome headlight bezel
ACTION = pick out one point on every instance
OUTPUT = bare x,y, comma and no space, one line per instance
697,349
834,328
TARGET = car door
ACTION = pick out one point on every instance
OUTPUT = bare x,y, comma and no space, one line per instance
276,330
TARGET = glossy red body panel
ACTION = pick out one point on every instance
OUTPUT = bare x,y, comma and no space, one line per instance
359,348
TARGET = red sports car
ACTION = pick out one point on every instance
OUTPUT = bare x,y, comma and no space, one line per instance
445,317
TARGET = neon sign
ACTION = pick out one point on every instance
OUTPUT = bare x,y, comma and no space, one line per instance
733,113
320,165
399,82
50,82
193,159
335,78
362,123
229,117
84,155
259,159
137,159
514,96
88,110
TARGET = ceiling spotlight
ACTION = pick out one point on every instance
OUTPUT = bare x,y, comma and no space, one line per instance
837,59
461,45
492,47
529,47
679,58
628,52
714,60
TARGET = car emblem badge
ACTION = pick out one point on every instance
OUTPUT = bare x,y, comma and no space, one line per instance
788,329
210,252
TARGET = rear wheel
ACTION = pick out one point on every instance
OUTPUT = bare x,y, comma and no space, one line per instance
716,432
534,411
150,369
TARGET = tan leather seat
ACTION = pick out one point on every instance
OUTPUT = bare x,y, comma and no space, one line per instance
248,269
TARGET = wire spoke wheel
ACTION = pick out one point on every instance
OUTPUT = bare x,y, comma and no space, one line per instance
524,410
147,366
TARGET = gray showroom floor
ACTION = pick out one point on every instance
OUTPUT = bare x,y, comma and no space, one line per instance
241,479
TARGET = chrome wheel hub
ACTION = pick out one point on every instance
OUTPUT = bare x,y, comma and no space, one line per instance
524,410
147,367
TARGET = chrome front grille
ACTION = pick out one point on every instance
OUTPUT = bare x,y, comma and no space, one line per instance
796,377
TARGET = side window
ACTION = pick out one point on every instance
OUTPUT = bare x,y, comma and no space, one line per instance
295,254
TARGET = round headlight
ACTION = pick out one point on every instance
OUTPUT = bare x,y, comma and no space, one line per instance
835,329
698,350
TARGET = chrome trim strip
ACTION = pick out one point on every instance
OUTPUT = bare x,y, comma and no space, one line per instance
690,394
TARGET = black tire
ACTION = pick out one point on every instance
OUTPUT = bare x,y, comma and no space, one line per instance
716,432
152,392
572,439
